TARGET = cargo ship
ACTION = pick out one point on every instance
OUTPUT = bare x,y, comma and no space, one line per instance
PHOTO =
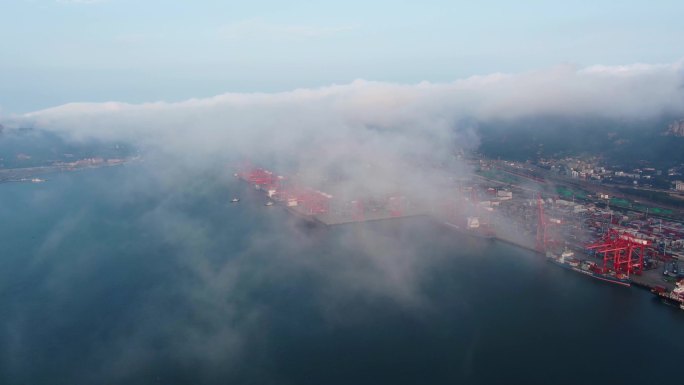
474,227
567,260
676,296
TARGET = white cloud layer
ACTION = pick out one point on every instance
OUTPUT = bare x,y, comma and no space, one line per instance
373,114
368,129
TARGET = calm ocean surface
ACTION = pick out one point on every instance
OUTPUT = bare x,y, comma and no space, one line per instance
122,276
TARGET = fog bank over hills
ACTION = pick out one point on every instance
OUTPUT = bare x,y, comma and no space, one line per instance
384,120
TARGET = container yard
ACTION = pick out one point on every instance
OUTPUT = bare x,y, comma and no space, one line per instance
330,207
614,245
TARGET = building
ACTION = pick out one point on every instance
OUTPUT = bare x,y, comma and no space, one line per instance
679,185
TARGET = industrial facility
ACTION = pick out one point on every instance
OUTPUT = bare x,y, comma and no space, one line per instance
623,247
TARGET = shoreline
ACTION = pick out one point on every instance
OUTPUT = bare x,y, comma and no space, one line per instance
31,174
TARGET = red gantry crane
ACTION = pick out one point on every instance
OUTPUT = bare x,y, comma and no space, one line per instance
621,252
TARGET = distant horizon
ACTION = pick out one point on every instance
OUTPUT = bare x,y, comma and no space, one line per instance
615,70
63,51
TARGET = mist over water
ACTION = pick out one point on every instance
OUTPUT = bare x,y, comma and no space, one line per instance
129,265
127,275
147,274
368,139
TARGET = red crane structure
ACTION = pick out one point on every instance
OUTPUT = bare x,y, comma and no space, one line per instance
313,202
359,211
621,251
396,205
259,177
545,237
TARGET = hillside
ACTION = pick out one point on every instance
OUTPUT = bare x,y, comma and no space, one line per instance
618,142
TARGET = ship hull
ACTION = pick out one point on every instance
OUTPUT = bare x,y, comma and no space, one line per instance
617,281
665,296
475,233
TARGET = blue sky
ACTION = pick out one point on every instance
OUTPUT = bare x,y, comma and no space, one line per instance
58,51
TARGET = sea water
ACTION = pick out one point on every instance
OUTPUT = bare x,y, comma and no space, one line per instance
119,275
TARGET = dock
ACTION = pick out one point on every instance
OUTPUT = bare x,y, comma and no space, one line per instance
527,221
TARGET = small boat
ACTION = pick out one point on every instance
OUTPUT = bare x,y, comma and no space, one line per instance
269,203
235,200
